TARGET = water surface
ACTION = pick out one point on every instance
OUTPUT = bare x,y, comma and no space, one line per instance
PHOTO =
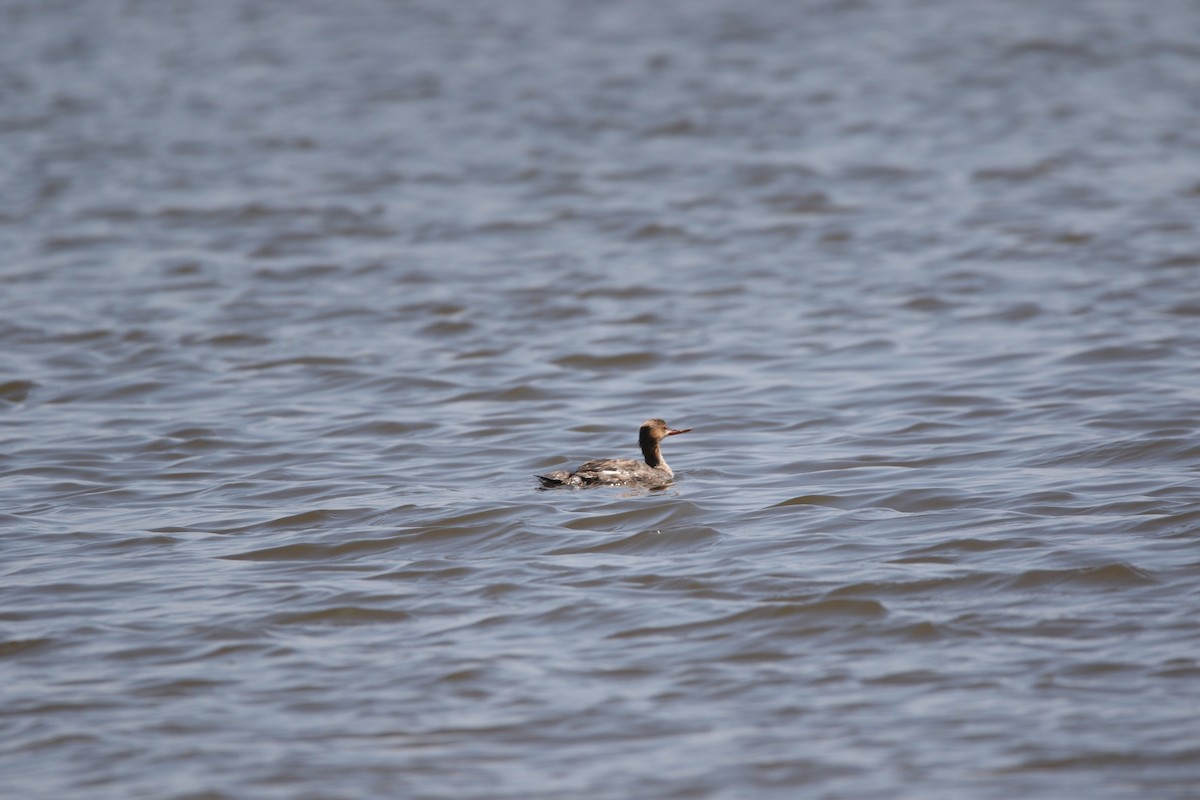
296,299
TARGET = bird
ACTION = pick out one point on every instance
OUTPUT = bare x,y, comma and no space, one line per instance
652,472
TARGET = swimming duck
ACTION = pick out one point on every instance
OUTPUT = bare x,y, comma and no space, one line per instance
623,471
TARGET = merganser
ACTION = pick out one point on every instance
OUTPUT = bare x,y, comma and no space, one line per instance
623,471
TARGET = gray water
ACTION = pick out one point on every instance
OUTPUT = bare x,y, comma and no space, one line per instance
296,297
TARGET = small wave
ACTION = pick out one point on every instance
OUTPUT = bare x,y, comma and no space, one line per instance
1125,453
1106,576
914,501
309,551
916,677
426,570
672,540
1093,668
820,612
1188,308
677,127
924,631
232,339
55,244
513,394
642,516
299,361
313,519
617,361
828,500
1183,523
1117,353
1017,174
927,303
18,647
1055,49
973,545
1108,760
924,587
183,687
1186,668
447,327
341,615
656,230
381,429
1181,260
812,204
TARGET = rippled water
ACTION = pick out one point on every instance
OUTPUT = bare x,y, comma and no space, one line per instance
296,297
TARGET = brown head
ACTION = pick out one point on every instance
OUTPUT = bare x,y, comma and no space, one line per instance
650,434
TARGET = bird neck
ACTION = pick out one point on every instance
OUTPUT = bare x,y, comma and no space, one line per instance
650,450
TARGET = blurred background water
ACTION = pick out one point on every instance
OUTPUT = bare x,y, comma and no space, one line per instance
295,298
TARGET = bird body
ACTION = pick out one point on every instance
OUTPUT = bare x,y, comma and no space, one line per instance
651,472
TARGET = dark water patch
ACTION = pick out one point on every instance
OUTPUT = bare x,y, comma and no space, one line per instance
1182,668
1099,669
927,303
80,242
484,353
16,648
608,363
1118,353
1188,308
1017,312
178,688
339,616
16,391
442,309
230,340
920,677
448,328
830,501
1106,761
298,361
513,226
757,657
1178,261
